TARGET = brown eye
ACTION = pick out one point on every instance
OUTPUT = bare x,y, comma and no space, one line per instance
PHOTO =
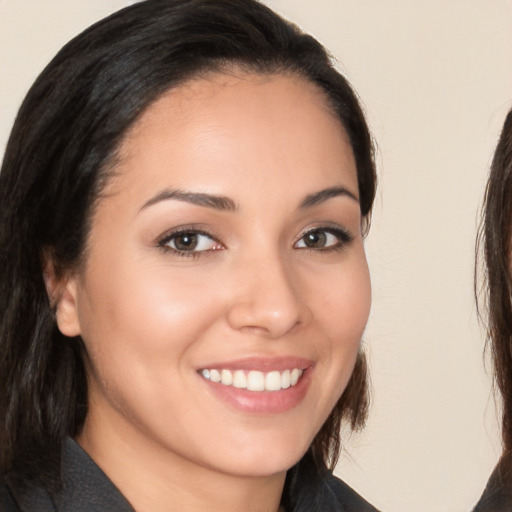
323,239
315,239
190,242
185,241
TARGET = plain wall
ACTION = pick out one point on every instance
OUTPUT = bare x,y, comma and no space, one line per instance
435,79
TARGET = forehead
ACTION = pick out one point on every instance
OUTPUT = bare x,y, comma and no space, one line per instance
221,91
243,125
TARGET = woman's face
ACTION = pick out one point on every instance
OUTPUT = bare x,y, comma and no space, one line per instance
227,245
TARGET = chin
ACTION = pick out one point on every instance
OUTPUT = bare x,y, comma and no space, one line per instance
271,458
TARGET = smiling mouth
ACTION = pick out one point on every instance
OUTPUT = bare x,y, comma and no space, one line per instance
254,380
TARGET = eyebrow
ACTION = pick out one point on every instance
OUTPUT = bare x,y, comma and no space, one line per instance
210,201
326,194
224,203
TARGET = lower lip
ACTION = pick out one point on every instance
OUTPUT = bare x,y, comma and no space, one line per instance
262,402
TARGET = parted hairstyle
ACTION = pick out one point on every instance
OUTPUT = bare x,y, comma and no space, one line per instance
60,154
496,239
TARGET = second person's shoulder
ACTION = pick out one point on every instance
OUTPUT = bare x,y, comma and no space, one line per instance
350,500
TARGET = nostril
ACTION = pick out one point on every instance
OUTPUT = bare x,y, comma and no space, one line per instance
261,319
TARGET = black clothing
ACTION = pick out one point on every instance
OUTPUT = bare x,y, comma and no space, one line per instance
87,489
497,496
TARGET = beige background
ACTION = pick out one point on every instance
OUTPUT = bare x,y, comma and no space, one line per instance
435,78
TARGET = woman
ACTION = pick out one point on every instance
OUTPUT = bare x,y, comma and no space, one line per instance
495,238
183,279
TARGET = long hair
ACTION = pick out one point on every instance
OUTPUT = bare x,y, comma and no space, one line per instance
62,150
495,237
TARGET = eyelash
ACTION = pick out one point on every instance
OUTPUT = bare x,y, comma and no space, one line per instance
167,239
344,238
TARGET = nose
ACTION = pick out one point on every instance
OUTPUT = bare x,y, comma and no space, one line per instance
268,300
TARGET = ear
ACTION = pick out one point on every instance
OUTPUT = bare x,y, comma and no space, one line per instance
62,294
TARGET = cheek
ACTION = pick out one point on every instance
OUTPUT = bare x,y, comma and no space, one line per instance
344,302
141,328
143,318
342,310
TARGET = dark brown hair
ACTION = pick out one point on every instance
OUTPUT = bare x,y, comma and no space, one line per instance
495,237
59,154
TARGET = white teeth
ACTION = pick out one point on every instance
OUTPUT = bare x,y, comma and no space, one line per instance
285,379
226,377
254,380
273,381
215,375
239,379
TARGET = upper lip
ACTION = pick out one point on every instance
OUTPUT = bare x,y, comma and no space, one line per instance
262,364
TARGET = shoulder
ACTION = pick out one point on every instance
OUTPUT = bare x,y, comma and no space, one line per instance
497,496
18,497
7,503
84,487
311,487
348,499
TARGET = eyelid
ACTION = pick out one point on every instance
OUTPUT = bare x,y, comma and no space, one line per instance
164,239
343,235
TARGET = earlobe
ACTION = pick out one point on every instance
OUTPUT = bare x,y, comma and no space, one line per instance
67,309
62,294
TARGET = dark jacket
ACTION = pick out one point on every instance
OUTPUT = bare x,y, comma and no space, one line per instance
87,489
497,496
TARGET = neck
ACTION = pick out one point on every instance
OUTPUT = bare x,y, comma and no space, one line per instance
153,479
